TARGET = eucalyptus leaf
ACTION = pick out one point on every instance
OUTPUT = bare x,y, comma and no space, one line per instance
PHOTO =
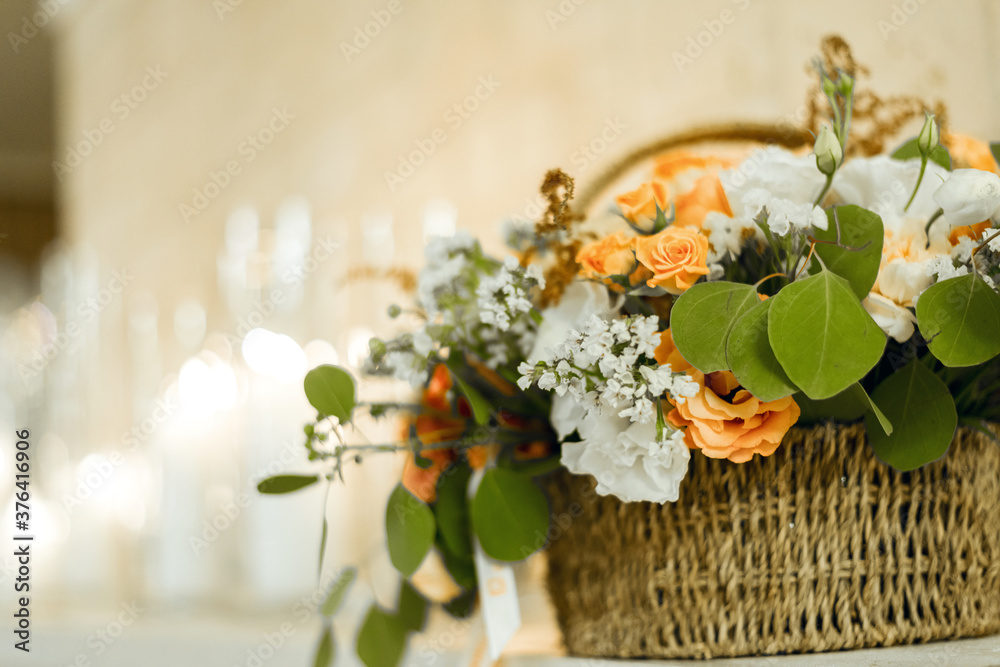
412,607
910,150
702,318
338,591
481,408
285,483
331,390
451,509
919,404
510,515
462,605
822,336
848,406
382,639
751,358
861,229
960,319
409,528
325,651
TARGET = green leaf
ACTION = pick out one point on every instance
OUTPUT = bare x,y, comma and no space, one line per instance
330,389
995,150
702,318
462,605
325,651
822,336
960,319
452,509
285,483
751,358
381,640
980,425
921,407
338,591
412,612
461,568
847,406
859,228
481,408
409,528
510,515
909,150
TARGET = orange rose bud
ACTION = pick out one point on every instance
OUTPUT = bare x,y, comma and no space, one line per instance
734,426
676,256
673,164
707,195
610,256
639,206
436,393
422,482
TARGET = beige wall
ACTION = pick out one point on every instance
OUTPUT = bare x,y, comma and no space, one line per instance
565,70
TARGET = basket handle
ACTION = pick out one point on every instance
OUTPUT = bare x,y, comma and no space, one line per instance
781,134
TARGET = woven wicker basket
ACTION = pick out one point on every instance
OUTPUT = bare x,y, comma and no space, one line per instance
818,547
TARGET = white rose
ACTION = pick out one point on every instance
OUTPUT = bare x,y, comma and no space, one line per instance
781,173
567,414
903,281
896,321
970,196
884,185
579,303
627,460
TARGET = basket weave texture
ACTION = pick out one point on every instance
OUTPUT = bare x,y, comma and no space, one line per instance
818,547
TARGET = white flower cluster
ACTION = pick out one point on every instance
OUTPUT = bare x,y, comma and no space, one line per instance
783,215
610,367
447,259
472,303
504,295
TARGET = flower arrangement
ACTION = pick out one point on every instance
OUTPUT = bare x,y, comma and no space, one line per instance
725,299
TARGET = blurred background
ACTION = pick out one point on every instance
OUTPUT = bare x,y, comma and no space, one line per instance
201,199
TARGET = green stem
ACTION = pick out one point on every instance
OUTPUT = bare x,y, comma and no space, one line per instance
920,177
927,229
826,188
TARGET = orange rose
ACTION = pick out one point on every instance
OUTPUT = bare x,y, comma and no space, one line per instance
734,426
610,256
639,206
676,256
707,195
675,163
967,151
666,353
422,482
